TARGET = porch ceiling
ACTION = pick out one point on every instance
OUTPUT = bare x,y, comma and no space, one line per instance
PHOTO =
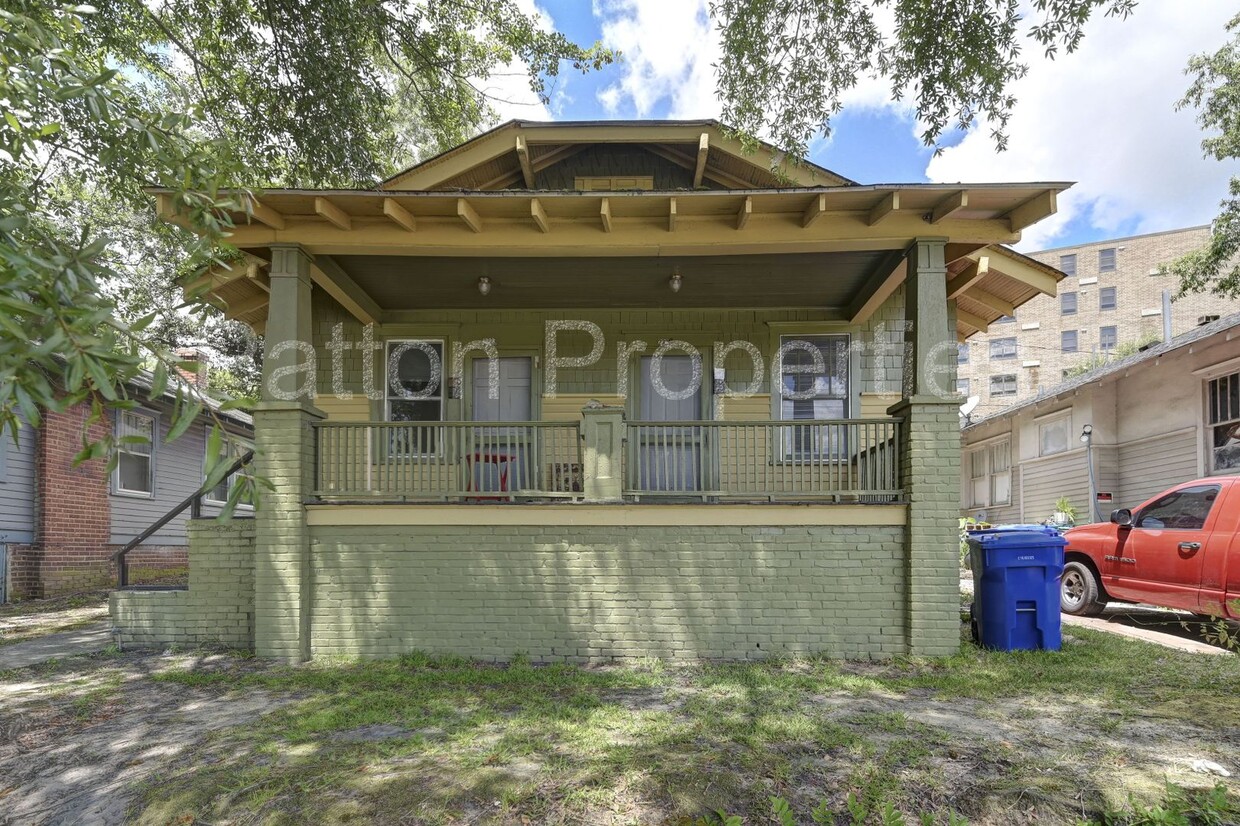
821,280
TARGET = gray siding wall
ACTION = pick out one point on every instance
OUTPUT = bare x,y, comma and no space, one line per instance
178,473
1153,465
17,486
1045,480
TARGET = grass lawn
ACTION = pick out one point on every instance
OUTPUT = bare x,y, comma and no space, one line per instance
994,738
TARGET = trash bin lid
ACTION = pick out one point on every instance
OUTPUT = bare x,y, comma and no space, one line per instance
1018,536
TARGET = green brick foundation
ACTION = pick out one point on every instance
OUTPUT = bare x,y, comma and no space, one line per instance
217,609
585,594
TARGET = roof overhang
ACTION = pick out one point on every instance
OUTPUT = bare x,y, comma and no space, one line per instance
976,220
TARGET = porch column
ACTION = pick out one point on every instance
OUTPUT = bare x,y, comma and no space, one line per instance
284,437
602,433
930,456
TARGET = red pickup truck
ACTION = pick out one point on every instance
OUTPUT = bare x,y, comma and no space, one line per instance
1180,549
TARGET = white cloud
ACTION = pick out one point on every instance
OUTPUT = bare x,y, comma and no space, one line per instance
669,48
1105,117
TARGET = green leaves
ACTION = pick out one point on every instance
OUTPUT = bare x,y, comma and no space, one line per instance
788,63
1215,92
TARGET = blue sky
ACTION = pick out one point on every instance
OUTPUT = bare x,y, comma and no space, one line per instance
1104,116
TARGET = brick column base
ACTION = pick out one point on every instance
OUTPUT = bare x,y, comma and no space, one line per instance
930,475
284,439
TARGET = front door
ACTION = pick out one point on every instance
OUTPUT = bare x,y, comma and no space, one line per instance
1160,557
669,456
498,457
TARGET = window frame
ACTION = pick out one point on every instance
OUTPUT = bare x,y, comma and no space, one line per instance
1114,293
1114,265
118,488
1002,355
825,452
230,441
967,386
1076,341
392,448
1063,259
1114,338
991,385
988,477
962,352
1063,418
1063,303
1221,411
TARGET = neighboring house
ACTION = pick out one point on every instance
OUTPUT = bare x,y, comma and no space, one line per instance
60,524
1165,415
473,447
1111,298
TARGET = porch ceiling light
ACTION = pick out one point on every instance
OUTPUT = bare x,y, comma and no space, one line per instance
674,281
484,285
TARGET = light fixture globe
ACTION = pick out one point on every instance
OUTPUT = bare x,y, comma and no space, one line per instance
674,282
484,285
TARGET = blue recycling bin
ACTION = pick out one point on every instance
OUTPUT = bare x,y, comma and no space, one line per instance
1016,570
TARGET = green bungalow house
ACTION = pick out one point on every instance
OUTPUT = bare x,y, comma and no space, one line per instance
587,391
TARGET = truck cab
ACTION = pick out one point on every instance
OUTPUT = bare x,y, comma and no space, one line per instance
1180,550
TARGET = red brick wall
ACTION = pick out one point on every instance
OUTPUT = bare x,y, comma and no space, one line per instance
72,512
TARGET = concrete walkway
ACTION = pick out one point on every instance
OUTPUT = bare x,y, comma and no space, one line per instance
1148,625
85,640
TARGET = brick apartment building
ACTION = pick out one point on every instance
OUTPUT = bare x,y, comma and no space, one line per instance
1112,298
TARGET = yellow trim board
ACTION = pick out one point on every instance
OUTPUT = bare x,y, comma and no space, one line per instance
496,515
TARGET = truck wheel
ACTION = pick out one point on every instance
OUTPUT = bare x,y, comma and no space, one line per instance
1079,593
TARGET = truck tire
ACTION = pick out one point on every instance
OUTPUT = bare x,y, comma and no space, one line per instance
1079,593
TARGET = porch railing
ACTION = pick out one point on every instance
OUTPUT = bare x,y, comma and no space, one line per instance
818,459
440,461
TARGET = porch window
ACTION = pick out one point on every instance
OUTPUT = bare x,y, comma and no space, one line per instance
135,455
231,450
1223,418
414,392
814,389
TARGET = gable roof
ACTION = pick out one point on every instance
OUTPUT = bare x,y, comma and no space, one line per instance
1113,368
511,152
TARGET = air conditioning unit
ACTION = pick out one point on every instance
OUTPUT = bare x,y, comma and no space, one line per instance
1202,320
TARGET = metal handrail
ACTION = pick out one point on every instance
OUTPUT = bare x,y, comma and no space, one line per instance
194,501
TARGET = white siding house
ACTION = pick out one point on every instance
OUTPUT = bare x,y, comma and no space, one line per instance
1159,417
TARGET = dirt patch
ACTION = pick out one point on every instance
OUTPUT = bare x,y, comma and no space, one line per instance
75,736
